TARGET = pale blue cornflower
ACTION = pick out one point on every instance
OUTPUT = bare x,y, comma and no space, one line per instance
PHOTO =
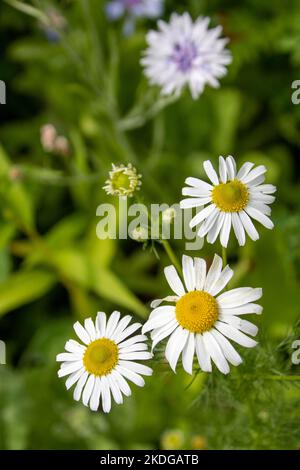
132,10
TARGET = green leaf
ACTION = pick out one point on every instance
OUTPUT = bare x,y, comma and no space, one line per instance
28,10
67,230
7,232
77,267
228,107
100,251
24,287
15,195
108,285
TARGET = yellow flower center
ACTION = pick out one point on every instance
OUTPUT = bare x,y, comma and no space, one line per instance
230,197
197,311
101,356
120,180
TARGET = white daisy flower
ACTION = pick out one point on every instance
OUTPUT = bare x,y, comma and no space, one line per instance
202,320
123,181
102,365
185,53
231,200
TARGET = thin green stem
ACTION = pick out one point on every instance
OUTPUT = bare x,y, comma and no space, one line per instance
193,379
224,256
288,378
172,256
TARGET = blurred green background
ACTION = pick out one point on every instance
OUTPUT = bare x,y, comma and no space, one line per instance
87,81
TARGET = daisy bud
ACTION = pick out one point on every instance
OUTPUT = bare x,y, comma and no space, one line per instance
62,146
123,181
172,439
199,442
169,215
139,234
48,137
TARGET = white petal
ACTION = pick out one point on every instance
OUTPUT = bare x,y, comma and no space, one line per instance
131,341
242,310
112,324
204,187
115,389
188,272
161,333
158,321
101,323
196,192
215,230
81,333
263,198
223,280
175,346
211,172
133,348
190,203
188,354
161,311
253,174
170,298
244,170
123,323
215,352
130,375
69,357
90,328
127,332
174,280
260,206
138,368
95,397
234,334
68,368
222,170
105,394
248,225
202,354
201,215
135,356
74,347
265,188
228,350
231,168
257,215
79,386
242,325
225,231
73,378
87,392
239,296
122,383
213,273
208,223
238,229
256,182
200,273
